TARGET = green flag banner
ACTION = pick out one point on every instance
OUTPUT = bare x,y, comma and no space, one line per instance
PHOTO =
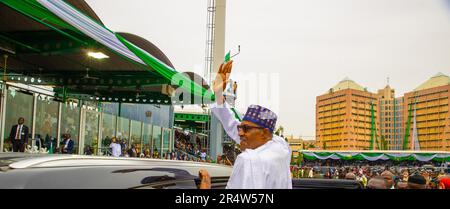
440,157
227,57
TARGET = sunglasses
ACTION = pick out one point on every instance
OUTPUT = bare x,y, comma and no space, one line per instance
246,128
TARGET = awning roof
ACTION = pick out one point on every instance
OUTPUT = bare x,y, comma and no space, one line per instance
48,41
377,155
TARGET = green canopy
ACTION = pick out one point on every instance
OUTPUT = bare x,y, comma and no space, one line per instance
55,50
374,156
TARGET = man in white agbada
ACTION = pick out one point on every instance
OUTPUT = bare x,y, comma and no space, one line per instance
265,158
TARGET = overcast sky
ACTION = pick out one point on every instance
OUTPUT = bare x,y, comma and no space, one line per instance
307,46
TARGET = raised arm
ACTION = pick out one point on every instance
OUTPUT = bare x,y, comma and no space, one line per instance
221,109
229,122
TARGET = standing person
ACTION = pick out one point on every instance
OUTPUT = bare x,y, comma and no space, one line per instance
68,144
377,182
444,182
363,180
88,150
389,178
116,149
405,175
401,185
19,136
264,162
417,182
222,159
38,143
132,151
147,153
203,155
311,173
50,144
123,144
350,176
336,173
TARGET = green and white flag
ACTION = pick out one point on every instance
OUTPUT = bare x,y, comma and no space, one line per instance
227,57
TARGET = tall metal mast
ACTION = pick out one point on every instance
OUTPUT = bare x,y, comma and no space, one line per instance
209,49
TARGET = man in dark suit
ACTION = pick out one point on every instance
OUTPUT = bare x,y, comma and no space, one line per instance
67,144
19,136
50,144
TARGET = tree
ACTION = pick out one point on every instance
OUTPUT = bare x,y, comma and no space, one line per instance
279,131
300,159
324,145
292,159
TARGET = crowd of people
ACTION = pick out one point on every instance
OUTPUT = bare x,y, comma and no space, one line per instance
378,174
183,150
119,147
187,146
371,174
195,151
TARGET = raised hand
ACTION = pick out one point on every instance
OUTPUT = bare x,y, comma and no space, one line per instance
221,80
222,77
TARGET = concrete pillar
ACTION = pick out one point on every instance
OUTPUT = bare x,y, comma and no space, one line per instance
216,134
3,98
216,137
219,36
58,132
31,140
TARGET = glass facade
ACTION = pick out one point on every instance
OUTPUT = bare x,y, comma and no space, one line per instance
156,141
108,131
18,104
70,123
83,123
123,129
147,139
46,119
91,132
166,140
46,124
136,135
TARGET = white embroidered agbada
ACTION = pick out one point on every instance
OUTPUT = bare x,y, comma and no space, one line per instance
266,167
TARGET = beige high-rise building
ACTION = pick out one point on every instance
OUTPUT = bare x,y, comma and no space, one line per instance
387,117
296,144
399,128
391,119
429,105
344,117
